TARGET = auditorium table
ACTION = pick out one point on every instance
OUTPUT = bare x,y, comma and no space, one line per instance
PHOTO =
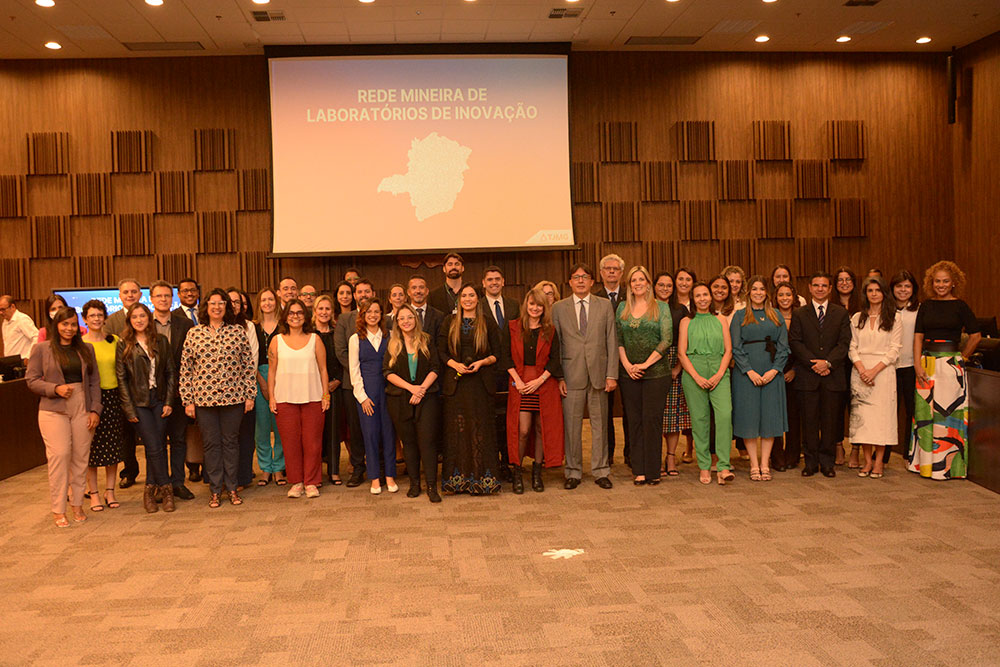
984,428
21,446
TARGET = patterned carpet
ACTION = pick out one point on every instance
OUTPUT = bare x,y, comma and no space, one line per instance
790,572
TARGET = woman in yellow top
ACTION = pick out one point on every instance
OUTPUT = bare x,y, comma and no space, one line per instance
106,447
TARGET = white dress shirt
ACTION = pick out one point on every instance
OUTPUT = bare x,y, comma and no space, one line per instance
353,347
19,335
491,302
826,307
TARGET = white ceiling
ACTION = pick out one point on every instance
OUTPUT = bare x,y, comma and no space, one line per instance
98,28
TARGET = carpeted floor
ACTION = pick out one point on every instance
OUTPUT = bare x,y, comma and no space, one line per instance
790,572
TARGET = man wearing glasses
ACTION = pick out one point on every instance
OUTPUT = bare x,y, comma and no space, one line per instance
189,293
308,294
585,325
19,331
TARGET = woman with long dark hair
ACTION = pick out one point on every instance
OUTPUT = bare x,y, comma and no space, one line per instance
343,299
676,418
366,353
147,382
53,304
787,449
270,455
905,291
684,281
322,321
845,283
469,344
63,371
106,447
411,367
534,406
248,427
876,338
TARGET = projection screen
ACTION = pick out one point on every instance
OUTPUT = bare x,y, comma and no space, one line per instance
418,153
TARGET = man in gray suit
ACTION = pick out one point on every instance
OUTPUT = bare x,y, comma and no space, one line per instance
347,325
585,325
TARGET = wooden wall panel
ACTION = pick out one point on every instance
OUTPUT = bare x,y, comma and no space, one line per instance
620,221
812,179
48,153
846,139
850,217
93,271
174,192
619,141
14,276
659,181
173,267
91,194
216,231
254,190
585,182
699,220
131,151
215,150
49,236
736,179
772,140
696,140
774,218
12,189
134,234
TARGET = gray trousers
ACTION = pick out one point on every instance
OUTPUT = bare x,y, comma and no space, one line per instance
596,401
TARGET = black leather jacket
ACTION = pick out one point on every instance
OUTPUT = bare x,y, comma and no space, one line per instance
132,370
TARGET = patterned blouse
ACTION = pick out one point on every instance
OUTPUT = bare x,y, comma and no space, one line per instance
217,367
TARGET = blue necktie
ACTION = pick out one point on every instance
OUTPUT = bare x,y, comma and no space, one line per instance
822,316
496,307
194,318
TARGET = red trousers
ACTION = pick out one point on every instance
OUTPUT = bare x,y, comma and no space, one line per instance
301,429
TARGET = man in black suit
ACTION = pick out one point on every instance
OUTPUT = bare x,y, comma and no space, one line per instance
445,298
502,309
174,326
188,293
347,324
819,337
612,268
430,317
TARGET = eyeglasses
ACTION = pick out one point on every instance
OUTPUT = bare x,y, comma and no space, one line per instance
579,276
217,304
296,313
308,293
188,290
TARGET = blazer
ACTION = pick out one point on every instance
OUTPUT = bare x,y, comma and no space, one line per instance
432,321
426,364
132,370
44,374
602,292
179,310
587,361
807,341
487,374
179,327
346,325
115,324
511,309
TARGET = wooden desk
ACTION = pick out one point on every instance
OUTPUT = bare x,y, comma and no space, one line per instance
21,446
984,428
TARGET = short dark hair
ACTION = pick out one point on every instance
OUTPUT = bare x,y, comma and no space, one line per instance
416,276
363,281
581,265
821,274
188,280
307,325
160,283
454,255
94,303
352,269
284,278
493,268
230,315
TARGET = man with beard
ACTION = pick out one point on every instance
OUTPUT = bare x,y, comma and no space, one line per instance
445,298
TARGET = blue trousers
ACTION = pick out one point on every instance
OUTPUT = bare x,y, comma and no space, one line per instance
152,428
380,439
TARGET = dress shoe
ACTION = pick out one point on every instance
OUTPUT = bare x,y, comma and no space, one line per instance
806,472
167,494
356,479
194,472
830,473
536,477
517,483
432,493
413,491
603,482
183,493
571,483
126,482
147,499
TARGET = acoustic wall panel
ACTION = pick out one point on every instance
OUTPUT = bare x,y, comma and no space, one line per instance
812,179
850,217
699,220
619,141
696,140
254,190
90,194
735,180
49,236
174,192
846,139
585,182
48,153
133,234
774,218
620,221
131,151
12,196
216,231
659,181
772,140
215,150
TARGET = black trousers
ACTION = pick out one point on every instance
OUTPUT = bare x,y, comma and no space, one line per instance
626,447
822,414
220,433
643,401
419,428
331,433
177,425
788,449
500,412
906,387
355,440
248,449
130,464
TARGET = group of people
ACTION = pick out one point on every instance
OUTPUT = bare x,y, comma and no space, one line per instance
466,378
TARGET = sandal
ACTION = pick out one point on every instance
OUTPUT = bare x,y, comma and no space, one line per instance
672,466
280,482
705,477
62,522
755,474
876,475
765,474
725,476
112,503
214,501
265,480
234,498
336,481
686,457
96,505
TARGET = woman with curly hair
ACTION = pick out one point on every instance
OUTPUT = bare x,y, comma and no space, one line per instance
941,415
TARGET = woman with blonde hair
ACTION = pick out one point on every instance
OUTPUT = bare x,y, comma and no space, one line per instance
645,332
550,289
534,406
411,368
738,285
941,415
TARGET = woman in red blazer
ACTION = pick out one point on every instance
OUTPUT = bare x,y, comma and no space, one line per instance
534,406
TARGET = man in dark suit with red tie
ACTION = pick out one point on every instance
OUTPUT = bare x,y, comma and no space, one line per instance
819,337
612,267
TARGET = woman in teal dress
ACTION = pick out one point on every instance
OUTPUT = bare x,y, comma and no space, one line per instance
760,350
705,349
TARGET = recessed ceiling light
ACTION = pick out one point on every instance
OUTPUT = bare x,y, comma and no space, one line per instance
55,46
673,0
572,0
923,40
154,3
45,3
367,2
760,39
770,1
843,38
261,2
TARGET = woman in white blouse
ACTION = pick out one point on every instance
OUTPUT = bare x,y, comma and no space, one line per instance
876,339
297,387
904,289
366,352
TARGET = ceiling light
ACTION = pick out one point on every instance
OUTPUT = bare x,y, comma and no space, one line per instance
572,0
261,2
45,3
923,40
760,39
770,1
673,0
55,46
154,3
367,2
843,38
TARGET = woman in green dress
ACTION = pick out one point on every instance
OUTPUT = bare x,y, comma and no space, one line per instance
760,349
705,349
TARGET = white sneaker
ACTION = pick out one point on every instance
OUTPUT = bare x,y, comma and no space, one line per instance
296,491
375,490
312,491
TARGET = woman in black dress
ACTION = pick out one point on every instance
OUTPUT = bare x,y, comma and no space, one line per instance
469,344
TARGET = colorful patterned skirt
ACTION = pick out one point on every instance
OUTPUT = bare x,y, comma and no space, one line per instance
675,415
941,418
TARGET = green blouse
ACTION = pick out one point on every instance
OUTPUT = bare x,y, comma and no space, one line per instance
641,336
705,336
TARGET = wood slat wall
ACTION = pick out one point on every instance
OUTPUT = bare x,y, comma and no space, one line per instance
679,113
